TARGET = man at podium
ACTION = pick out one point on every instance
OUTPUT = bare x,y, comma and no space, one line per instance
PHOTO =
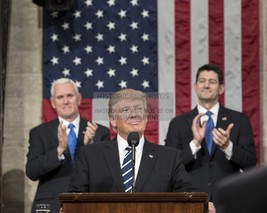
156,168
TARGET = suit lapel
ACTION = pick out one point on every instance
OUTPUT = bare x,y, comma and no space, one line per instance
222,122
191,115
53,129
148,160
82,128
113,161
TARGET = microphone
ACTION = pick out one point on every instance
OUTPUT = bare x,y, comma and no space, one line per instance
133,141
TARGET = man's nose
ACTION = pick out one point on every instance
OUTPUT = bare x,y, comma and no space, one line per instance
206,84
133,113
65,100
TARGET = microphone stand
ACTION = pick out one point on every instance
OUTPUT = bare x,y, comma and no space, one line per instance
133,141
133,160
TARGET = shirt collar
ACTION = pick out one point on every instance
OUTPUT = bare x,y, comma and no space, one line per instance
76,121
122,144
214,109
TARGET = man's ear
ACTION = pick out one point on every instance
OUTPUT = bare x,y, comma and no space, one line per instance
79,99
112,122
221,91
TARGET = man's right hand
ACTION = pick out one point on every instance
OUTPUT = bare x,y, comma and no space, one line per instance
62,138
198,129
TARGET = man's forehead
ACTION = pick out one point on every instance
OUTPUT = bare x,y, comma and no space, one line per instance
59,93
129,102
208,72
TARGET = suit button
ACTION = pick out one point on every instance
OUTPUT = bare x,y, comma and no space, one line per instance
209,184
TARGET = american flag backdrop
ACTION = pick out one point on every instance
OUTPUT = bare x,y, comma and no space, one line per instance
155,46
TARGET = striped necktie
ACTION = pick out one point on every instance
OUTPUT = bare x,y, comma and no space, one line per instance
208,132
72,140
127,170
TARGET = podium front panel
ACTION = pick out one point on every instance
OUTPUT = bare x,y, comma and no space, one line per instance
184,202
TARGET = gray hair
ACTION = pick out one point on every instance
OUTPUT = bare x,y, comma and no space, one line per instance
63,81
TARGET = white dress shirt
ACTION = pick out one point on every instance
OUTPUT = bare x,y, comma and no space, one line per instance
123,144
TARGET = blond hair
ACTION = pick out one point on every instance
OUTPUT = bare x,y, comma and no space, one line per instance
125,94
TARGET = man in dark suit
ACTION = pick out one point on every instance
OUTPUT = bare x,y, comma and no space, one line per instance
48,159
244,193
232,143
157,168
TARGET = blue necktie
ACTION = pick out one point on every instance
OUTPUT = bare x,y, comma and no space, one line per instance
72,140
208,132
127,170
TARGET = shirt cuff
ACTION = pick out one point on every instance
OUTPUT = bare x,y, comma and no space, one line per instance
228,151
194,148
61,157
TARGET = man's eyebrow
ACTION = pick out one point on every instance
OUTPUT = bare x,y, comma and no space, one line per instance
124,107
203,78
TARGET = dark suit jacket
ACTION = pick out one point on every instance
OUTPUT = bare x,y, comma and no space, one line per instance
205,169
97,169
244,193
43,163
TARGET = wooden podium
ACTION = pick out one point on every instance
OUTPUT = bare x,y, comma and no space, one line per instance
139,202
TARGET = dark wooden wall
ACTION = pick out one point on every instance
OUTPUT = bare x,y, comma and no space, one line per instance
4,28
